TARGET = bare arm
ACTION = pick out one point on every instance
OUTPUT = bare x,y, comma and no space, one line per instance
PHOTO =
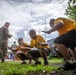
54,28
11,49
28,46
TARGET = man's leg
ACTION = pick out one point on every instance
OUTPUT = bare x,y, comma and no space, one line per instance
63,50
69,64
44,56
73,53
22,57
62,43
30,55
3,52
13,55
2,56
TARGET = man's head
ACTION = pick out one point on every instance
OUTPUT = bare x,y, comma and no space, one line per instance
7,24
32,33
14,41
20,41
51,22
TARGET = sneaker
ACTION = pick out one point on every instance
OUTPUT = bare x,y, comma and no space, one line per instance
67,66
46,62
23,62
74,64
36,63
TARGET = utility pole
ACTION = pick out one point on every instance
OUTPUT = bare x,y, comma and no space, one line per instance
45,27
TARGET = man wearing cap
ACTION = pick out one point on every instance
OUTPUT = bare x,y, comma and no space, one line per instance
22,50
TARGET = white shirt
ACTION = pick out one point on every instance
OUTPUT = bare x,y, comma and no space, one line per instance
14,46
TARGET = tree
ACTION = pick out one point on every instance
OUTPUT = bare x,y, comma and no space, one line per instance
71,9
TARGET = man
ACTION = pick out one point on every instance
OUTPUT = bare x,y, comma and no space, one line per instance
39,42
14,46
67,39
22,50
4,35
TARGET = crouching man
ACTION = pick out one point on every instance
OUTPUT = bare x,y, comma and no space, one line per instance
22,50
38,42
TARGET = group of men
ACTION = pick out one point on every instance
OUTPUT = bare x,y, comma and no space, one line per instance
36,41
66,40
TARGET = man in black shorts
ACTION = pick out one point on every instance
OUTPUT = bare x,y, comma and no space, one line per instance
66,39
34,53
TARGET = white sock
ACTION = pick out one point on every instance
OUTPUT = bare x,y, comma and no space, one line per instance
74,61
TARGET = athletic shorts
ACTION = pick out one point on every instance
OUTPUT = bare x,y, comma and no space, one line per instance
46,50
68,39
34,53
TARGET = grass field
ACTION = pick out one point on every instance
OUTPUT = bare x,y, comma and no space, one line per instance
16,68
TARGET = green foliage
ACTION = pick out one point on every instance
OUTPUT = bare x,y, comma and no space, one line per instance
71,9
15,68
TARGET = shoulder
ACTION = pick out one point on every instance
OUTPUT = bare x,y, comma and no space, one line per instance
25,43
5,29
38,35
60,19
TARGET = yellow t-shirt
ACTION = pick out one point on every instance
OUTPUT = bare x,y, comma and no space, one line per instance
68,25
36,42
19,48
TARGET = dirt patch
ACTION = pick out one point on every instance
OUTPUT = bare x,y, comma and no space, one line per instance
53,73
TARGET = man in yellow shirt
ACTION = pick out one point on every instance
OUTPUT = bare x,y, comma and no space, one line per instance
22,49
24,53
67,39
39,42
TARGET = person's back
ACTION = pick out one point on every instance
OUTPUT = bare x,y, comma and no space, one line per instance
14,46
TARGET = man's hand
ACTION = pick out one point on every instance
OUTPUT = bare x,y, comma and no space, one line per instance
11,48
10,36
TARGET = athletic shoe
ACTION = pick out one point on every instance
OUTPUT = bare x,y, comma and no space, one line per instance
67,66
74,64
23,62
36,63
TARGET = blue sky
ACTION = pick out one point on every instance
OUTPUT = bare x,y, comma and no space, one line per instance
30,14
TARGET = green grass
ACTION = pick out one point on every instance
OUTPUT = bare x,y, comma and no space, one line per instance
15,68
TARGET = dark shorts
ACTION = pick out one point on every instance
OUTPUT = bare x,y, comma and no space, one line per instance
22,56
34,53
68,39
46,50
